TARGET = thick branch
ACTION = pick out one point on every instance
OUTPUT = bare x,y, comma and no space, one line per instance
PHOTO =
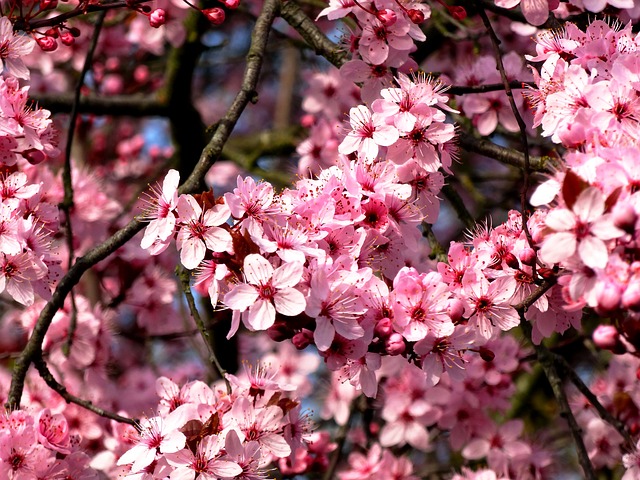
295,17
33,349
125,105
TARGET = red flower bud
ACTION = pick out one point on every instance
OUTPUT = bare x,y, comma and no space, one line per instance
214,15
67,39
511,260
486,354
455,310
302,339
47,44
48,4
416,16
33,156
527,256
387,17
231,4
157,18
459,13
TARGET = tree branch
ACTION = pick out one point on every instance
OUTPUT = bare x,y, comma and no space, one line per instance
210,154
50,380
125,105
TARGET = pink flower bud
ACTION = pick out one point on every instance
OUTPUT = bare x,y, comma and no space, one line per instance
455,310
67,39
231,4
624,217
302,339
608,296
141,74
416,16
387,17
48,4
607,337
279,331
527,256
631,296
47,44
384,328
214,15
157,18
394,345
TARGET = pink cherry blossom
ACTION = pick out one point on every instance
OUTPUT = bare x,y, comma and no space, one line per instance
266,291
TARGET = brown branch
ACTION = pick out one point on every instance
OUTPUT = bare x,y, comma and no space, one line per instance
50,380
491,87
125,105
504,155
306,27
548,365
33,349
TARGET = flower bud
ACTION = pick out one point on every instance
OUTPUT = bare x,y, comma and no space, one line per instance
459,13
455,310
48,4
231,4
302,339
279,331
394,345
214,15
608,338
416,16
384,328
631,296
33,156
387,17
52,32
624,217
486,354
527,256
511,260
608,297
47,44
67,39
157,18
141,74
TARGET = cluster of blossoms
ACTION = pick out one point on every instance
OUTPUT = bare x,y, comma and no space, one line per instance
40,445
588,103
212,433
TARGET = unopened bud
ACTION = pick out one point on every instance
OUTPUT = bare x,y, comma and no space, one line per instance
455,310
486,354
387,16
511,260
459,13
33,156
231,4
527,256
608,338
48,4
394,345
302,339
47,44
608,297
624,217
384,328
416,16
74,31
214,15
157,18
52,32
279,332
631,296
67,39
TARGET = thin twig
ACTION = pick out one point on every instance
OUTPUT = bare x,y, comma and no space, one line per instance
438,252
255,57
49,379
490,87
593,399
67,203
341,438
548,365
526,168
508,156
185,277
